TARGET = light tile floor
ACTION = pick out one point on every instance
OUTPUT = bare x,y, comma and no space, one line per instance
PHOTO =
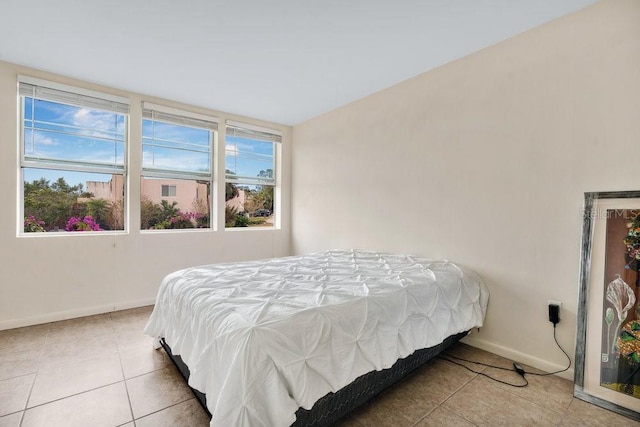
102,371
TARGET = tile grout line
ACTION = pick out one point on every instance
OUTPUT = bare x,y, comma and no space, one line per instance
48,342
72,395
18,376
13,413
124,378
167,407
512,393
439,405
35,374
42,343
26,403
473,377
425,416
47,338
45,345
483,373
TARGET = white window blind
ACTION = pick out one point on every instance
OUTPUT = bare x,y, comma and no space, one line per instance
250,154
176,143
78,97
71,130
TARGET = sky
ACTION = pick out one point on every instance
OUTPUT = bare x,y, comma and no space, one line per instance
59,132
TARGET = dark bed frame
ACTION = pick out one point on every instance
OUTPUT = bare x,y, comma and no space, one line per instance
334,406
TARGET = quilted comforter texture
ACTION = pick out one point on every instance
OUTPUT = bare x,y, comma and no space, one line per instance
263,338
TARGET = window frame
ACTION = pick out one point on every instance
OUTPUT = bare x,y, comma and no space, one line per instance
169,188
74,96
179,117
118,163
265,135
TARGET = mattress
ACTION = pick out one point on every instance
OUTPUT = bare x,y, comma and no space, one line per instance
264,338
332,407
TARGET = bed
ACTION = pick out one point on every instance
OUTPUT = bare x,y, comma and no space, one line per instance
303,340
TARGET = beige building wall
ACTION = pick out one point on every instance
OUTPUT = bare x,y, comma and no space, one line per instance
110,190
485,161
190,195
238,201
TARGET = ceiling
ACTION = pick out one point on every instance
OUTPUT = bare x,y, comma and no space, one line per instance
284,61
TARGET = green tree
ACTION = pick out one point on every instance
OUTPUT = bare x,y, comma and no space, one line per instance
100,210
169,210
267,197
265,173
115,218
264,197
52,203
233,218
230,189
230,215
150,213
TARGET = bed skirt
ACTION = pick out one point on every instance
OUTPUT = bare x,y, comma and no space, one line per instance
334,406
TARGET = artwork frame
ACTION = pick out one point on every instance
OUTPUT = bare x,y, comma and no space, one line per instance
607,360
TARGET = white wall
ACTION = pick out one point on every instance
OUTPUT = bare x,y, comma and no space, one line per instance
484,161
45,278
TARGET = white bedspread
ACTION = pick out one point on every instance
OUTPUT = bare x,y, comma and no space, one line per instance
264,338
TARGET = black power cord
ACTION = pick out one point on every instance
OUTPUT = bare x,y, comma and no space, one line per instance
565,353
526,383
516,366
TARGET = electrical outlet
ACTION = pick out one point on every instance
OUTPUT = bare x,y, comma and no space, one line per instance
554,302
554,312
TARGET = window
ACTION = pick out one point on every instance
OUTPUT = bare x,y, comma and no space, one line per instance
72,158
169,191
250,175
177,172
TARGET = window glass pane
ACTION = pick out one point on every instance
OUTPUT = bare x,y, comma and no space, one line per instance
28,104
247,158
173,147
72,201
65,133
167,159
169,191
174,203
249,205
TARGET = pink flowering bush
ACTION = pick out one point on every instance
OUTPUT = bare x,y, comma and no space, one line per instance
82,224
33,225
179,221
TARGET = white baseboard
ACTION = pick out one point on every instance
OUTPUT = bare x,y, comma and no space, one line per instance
517,356
72,314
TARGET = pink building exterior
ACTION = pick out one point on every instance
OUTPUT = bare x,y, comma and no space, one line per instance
190,195
112,190
238,201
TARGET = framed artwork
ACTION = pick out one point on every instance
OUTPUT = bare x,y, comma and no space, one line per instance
607,371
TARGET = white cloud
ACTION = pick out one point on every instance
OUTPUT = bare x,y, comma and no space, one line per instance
181,161
239,147
95,123
231,149
41,139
